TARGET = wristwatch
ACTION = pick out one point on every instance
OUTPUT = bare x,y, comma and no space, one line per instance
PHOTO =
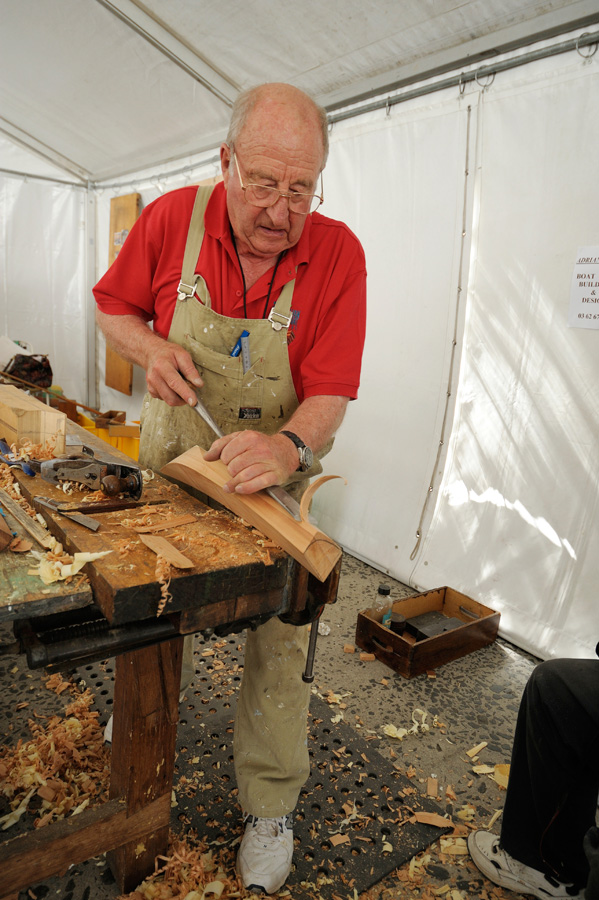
306,457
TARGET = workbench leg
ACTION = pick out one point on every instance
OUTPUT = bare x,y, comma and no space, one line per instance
146,713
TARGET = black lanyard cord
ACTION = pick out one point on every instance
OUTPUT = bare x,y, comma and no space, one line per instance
279,258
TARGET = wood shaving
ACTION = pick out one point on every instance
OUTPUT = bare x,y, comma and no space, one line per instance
125,546
163,577
27,450
62,769
190,872
55,565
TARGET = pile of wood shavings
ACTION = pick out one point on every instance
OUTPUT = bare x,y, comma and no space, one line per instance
27,450
163,577
63,768
190,872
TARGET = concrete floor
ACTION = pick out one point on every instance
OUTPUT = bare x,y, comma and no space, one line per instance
475,699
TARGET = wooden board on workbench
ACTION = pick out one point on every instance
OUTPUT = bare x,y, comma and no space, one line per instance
123,213
229,557
24,595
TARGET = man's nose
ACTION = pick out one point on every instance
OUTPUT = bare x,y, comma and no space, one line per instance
279,211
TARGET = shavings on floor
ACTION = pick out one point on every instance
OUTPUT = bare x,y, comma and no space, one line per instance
419,726
62,769
190,871
474,751
453,846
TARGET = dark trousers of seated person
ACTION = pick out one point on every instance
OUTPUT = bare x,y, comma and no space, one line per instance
551,799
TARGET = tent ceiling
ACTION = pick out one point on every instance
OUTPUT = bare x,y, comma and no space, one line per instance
107,87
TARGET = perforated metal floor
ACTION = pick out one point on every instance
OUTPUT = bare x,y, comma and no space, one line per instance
350,824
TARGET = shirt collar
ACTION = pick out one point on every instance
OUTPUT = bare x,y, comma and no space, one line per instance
216,222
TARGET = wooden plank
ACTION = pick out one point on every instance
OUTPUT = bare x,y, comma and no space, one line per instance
24,596
146,715
164,548
187,519
49,851
228,556
310,547
31,526
233,609
6,535
123,213
24,418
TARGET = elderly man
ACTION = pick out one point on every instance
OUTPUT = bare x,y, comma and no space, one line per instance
205,266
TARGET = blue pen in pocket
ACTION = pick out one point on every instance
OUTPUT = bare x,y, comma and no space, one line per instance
237,348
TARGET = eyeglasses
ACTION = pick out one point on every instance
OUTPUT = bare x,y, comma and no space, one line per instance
262,195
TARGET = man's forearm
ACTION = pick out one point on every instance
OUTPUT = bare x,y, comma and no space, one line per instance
130,336
317,419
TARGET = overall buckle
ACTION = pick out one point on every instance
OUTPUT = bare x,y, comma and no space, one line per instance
185,291
285,323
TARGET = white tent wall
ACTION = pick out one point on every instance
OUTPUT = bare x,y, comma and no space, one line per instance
515,516
43,281
405,199
516,520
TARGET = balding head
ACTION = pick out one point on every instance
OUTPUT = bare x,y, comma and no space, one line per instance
277,100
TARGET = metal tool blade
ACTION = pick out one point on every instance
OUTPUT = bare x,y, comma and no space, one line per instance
86,521
276,492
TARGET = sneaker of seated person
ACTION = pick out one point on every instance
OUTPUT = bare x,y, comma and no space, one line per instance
507,872
264,857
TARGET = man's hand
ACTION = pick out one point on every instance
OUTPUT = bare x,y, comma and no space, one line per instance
168,367
255,461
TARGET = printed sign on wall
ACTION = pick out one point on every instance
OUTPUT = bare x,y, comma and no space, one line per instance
584,292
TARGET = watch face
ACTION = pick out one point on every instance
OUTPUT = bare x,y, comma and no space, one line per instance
307,458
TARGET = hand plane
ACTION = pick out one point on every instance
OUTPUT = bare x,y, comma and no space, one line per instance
106,473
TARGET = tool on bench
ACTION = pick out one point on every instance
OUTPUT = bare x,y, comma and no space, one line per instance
9,459
276,492
86,521
107,473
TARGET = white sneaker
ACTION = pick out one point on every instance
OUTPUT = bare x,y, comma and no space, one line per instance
264,857
507,872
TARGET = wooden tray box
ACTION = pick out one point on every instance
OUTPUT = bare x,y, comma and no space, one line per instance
410,657
23,418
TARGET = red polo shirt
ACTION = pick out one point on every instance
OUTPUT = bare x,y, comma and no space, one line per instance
326,335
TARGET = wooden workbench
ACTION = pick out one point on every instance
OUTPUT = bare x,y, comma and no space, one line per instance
234,577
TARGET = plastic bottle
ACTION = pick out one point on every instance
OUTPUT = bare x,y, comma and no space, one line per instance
383,592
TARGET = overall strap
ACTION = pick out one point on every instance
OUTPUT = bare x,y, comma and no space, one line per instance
195,235
280,315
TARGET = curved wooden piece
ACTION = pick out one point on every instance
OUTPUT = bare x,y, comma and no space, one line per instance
313,549
309,493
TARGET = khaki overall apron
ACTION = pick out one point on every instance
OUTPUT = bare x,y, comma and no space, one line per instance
270,747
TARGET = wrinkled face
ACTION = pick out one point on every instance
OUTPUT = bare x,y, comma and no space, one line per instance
280,146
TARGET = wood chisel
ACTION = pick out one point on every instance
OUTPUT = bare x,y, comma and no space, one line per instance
276,492
86,521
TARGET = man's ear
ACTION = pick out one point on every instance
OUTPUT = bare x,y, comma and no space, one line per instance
226,156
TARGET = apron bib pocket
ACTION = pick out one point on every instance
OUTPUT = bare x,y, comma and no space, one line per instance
237,396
